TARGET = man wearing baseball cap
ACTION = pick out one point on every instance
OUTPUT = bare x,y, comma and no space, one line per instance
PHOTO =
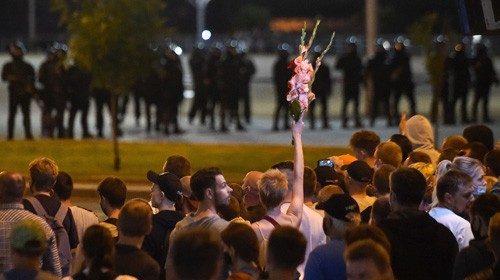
357,177
165,193
326,261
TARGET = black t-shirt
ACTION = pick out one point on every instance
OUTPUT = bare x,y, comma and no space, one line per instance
51,206
130,260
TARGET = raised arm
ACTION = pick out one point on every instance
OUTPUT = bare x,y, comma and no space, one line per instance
297,203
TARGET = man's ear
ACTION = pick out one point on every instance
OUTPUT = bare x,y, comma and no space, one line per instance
209,193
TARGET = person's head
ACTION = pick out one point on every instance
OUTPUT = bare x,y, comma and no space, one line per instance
166,189
27,241
112,194
364,143
404,143
98,248
367,260
370,232
358,175
341,213
472,167
408,187
43,173
417,156
479,133
231,210
381,208
494,235
286,249
448,154
286,167
251,188
273,187
481,211
326,192
197,254
388,153
454,191
177,165
475,150
427,169
135,219
241,242
492,163
12,186
381,179
419,131
456,142
63,186
209,185
16,49
310,182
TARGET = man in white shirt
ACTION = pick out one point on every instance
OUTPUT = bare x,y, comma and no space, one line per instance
454,192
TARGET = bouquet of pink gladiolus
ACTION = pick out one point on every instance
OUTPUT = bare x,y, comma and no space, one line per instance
300,94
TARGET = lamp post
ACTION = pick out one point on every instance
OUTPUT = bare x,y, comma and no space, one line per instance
201,7
371,22
31,20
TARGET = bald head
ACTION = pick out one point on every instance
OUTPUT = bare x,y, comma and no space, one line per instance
251,179
12,187
251,189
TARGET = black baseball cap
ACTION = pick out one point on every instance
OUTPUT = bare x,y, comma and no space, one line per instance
168,183
338,206
359,171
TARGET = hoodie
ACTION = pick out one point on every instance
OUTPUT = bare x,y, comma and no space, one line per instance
421,248
419,131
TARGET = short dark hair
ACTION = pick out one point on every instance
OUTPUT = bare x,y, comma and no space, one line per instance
404,143
114,190
450,182
485,206
286,247
243,239
370,232
480,133
366,140
43,172
492,161
135,218
283,165
202,180
369,250
310,182
418,156
477,150
381,178
409,185
448,154
98,245
63,186
12,187
196,248
177,165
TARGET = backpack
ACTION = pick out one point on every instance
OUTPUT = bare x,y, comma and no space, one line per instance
56,224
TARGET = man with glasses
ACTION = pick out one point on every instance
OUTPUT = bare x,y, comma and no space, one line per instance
455,195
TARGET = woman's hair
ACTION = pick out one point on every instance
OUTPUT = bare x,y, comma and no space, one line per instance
99,249
273,186
469,166
243,240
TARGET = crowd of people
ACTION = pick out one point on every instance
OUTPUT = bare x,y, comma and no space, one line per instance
401,208
221,80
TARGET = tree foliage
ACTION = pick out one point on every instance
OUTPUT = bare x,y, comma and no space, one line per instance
111,39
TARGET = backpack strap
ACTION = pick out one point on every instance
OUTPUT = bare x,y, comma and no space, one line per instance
61,213
40,211
272,221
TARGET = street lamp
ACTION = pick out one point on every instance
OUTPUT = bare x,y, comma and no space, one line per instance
201,7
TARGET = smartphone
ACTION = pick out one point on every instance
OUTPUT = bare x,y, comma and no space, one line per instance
325,162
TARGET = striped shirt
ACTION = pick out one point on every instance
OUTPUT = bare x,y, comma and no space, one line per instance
10,214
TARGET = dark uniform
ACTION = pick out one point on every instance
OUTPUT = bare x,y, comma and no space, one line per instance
229,85
211,84
21,76
436,65
101,97
322,88
77,83
401,79
199,104
174,90
485,76
377,70
461,80
281,75
352,68
247,70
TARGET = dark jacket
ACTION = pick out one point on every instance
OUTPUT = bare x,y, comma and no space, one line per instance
132,261
472,259
421,248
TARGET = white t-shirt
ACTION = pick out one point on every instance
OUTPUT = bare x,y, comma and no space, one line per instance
364,201
460,227
312,228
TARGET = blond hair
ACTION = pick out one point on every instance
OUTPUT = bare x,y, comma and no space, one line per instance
43,173
273,186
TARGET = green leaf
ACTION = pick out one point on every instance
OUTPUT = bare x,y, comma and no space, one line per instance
295,110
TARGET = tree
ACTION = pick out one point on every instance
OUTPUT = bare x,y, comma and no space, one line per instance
111,39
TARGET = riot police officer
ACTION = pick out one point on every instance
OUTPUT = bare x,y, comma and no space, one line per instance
281,75
377,71
197,66
174,90
459,67
351,66
77,84
322,88
21,77
401,79
485,76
